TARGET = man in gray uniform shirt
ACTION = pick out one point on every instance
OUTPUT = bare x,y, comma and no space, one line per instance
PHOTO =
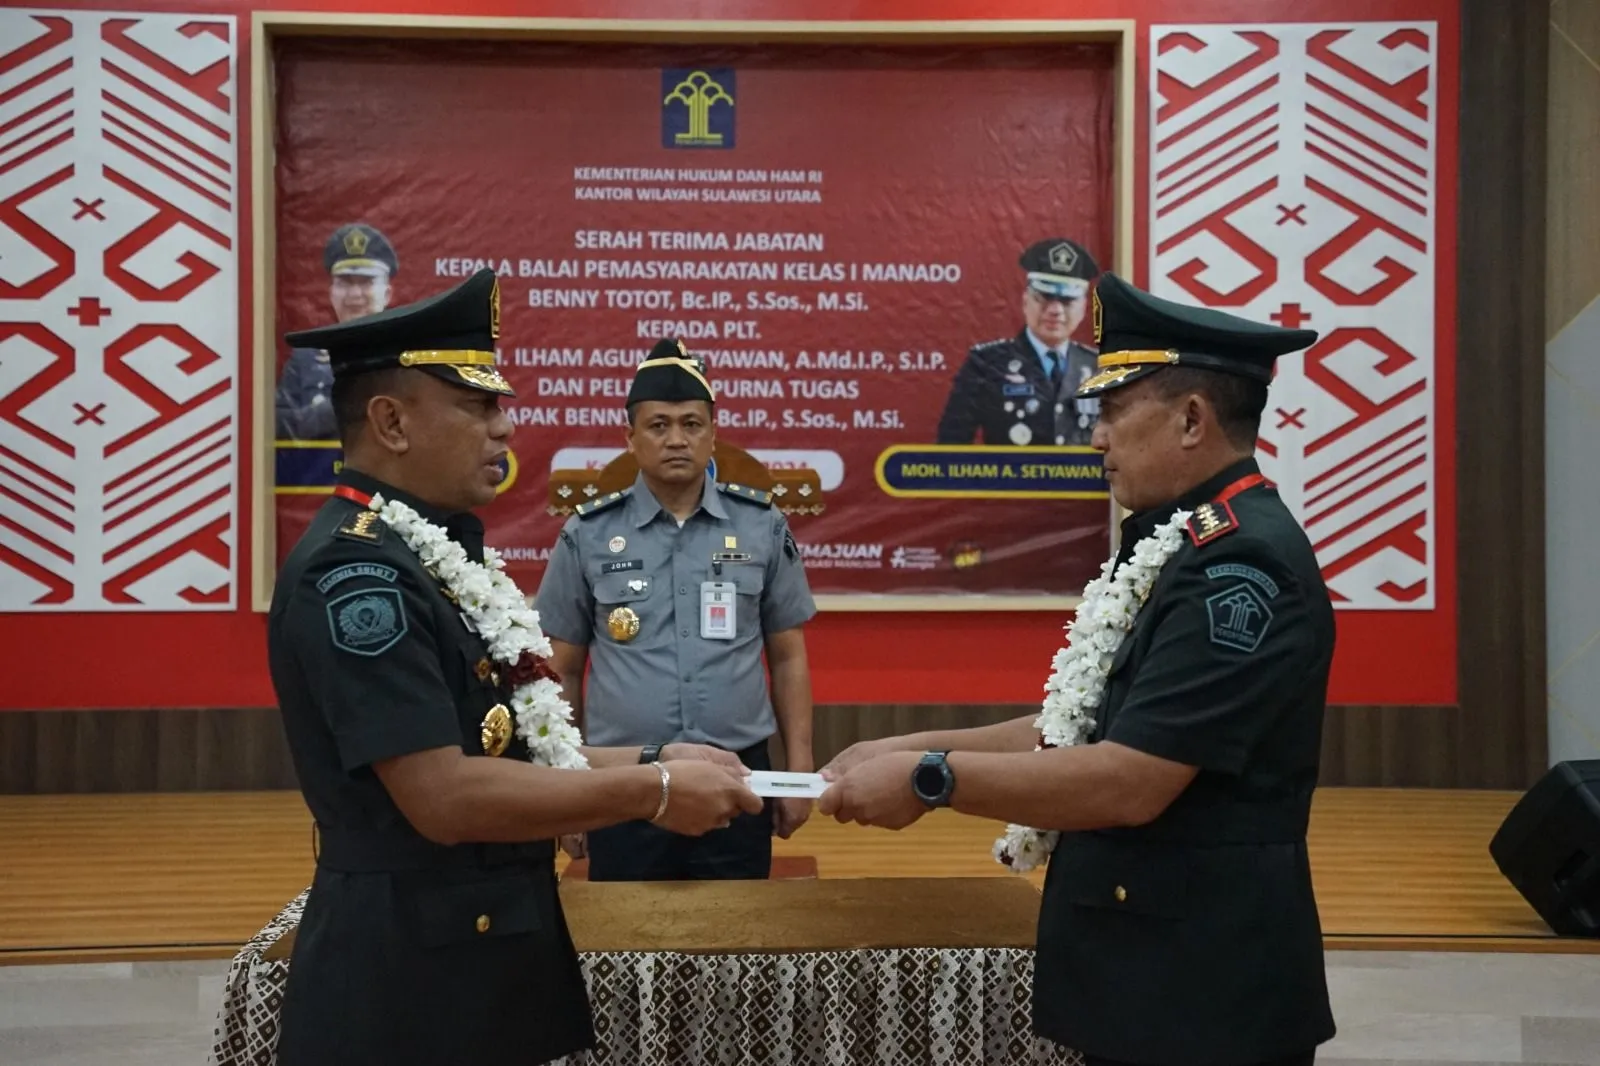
670,591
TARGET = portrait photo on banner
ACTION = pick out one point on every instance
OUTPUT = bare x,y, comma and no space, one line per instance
885,257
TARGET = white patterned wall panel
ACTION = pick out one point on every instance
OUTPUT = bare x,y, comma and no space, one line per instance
119,316
1292,178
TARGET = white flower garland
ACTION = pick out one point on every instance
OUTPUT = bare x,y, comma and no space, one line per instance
1078,680
500,614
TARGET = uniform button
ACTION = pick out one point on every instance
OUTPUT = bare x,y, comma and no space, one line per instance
483,923
683,590
1060,408
1061,440
683,632
1121,894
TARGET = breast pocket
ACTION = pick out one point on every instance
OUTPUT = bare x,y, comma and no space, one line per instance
622,604
749,583
479,672
1120,659
1118,875
442,915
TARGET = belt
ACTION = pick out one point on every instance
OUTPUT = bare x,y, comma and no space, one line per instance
360,853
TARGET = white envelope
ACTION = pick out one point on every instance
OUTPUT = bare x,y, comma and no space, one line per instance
784,784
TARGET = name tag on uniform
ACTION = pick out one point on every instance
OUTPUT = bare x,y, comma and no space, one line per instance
717,609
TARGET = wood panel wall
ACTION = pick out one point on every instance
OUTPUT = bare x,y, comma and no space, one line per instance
1500,395
1494,739
242,749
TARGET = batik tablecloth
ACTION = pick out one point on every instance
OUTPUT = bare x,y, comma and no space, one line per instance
917,1006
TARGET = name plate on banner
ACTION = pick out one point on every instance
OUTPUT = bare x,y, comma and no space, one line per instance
959,472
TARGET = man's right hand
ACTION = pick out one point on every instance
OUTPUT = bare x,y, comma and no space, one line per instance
703,796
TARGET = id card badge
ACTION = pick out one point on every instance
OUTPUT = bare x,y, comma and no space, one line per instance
717,609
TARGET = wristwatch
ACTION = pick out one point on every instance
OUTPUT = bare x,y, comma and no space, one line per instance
933,780
649,753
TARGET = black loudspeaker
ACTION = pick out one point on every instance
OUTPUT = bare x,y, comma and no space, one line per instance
1549,847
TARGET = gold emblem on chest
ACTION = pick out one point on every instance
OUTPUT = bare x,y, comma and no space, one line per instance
623,625
496,731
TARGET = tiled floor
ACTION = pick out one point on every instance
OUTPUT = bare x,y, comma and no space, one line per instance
1417,1009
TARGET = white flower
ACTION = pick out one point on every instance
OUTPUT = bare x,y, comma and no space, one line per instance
1077,680
499,613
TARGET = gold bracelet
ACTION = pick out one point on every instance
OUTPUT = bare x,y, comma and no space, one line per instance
666,780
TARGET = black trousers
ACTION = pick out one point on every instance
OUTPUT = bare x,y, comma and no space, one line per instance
639,851
1304,1059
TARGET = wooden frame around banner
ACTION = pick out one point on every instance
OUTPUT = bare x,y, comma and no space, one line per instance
267,26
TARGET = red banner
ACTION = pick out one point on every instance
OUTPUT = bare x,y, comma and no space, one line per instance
833,229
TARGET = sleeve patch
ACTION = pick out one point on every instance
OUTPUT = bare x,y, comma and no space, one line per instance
790,548
1223,571
1238,617
1210,521
345,573
368,622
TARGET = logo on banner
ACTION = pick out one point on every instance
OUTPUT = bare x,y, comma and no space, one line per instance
697,108
904,558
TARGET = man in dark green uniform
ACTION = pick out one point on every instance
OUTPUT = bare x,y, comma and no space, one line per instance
433,933
1178,924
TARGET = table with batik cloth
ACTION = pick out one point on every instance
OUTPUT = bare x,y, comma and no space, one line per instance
924,971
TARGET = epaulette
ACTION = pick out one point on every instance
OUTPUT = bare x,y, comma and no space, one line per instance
1210,521
584,510
744,492
363,526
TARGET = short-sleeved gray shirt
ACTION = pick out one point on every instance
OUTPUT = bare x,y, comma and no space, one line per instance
670,683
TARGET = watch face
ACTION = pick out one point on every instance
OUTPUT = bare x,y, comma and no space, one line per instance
929,781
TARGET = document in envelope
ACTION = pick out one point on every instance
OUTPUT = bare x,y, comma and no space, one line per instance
780,783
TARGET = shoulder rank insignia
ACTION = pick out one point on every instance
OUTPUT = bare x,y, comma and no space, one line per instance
744,492
584,510
363,525
1210,521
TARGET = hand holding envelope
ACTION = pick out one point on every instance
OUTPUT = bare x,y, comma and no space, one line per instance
779,784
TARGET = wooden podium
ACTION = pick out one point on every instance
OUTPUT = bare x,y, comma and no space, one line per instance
785,916
895,971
